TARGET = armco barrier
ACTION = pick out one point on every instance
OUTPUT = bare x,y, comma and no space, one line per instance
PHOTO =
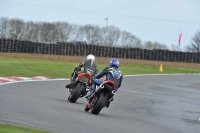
63,48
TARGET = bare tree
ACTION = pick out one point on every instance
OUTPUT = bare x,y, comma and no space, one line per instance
91,33
28,31
102,37
77,33
64,31
31,31
113,35
129,40
156,45
195,44
16,30
36,32
47,32
125,37
136,42
148,45
175,47
4,27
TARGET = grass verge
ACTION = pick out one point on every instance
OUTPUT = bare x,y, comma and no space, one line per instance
7,128
59,69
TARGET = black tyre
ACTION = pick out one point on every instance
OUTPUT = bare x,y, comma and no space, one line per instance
99,104
76,93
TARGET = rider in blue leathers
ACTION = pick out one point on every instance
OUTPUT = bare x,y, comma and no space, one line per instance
112,73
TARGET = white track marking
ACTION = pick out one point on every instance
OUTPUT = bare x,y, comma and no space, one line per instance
25,79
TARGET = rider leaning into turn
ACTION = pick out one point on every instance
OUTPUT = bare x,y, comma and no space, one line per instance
112,73
89,63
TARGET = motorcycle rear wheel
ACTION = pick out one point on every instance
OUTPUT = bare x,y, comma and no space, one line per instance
99,104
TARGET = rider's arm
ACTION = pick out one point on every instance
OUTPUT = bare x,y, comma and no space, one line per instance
101,74
81,64
78,67
96,70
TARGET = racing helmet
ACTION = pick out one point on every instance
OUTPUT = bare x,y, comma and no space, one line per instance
114,62
90,56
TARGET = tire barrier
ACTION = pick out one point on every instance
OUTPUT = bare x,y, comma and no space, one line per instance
70,49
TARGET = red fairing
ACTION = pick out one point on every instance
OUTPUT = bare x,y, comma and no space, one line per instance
111,83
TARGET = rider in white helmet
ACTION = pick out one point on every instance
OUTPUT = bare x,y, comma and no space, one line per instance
89,63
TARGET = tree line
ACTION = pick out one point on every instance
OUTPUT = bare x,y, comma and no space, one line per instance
52,32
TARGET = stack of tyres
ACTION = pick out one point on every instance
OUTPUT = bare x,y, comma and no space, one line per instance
138,53
127,53
134,53
4,46
146,54
1,44
70,48
120,53
124,53
77,49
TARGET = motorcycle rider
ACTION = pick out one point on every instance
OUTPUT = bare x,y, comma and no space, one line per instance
88,64
111,73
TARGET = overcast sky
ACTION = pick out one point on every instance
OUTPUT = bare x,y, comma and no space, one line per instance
150,20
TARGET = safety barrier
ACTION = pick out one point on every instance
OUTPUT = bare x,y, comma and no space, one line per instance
63,48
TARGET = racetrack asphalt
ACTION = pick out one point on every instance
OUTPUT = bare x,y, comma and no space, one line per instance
144,104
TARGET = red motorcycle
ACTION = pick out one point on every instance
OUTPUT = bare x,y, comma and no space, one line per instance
100,97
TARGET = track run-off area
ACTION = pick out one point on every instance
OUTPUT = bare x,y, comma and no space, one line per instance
157,103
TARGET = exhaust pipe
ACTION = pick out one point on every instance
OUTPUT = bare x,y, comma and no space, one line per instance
87,88
99,88
113,92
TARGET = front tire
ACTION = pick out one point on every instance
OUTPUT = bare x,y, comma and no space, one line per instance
76,93
99,104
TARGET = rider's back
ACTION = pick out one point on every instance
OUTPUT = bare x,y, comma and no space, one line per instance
90,65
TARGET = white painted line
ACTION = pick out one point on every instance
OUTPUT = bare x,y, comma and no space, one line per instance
29,79
32,81
159,74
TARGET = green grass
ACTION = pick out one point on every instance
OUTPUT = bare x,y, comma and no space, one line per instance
56,69
141,69
7,128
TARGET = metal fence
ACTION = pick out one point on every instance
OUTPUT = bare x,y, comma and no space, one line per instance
62,48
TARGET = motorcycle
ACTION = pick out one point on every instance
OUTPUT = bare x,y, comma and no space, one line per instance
100,97
81,87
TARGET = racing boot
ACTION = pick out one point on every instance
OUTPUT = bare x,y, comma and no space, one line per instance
70,85
108,102
88,107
